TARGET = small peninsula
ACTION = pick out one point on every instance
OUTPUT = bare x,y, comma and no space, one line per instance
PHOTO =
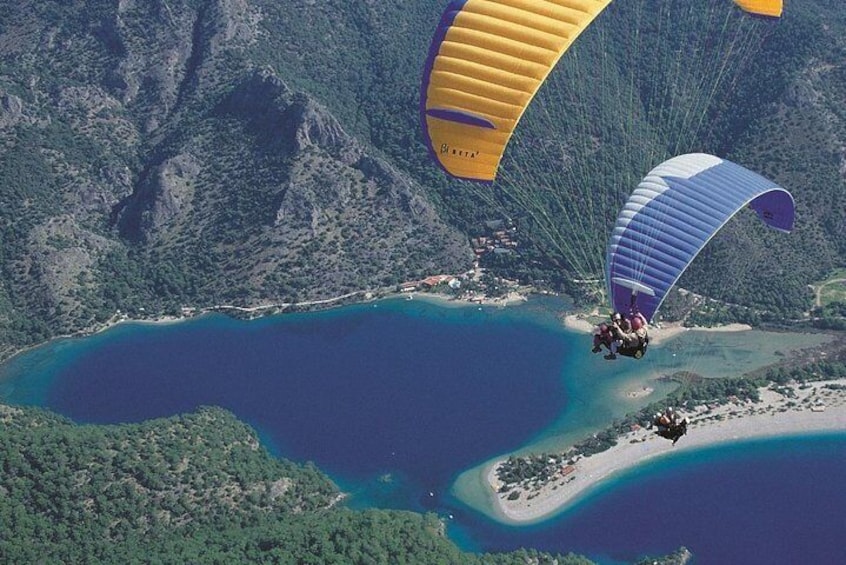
780,402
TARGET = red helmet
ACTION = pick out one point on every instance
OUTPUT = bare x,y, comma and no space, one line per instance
637,322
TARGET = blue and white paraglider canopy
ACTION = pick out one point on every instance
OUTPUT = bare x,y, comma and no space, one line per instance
677,208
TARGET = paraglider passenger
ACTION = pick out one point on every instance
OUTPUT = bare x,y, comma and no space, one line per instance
671,415
601,337
669,425
630,336
605,336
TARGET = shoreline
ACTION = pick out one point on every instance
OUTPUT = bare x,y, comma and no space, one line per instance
658,333
264,310
445,300
796,410
576,321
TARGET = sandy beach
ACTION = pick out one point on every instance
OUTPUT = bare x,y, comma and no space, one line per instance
642,392
513,297
795,410
657,334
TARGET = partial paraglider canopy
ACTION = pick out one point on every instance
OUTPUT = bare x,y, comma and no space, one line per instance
675,210
487,60
770,8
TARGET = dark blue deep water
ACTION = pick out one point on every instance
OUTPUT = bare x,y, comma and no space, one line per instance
409,389
395,399
777,501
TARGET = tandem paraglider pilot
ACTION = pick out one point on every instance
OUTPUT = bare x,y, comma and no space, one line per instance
623,336
670,425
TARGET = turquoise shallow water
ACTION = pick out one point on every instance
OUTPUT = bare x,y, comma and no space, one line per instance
402,401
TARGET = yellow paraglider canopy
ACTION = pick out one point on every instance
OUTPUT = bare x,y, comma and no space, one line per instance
772,8
487,60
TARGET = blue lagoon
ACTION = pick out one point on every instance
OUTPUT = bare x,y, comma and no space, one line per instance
404,403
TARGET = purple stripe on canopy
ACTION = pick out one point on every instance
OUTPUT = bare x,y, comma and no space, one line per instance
461,117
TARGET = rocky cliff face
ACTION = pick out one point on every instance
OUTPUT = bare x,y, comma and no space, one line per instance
321,207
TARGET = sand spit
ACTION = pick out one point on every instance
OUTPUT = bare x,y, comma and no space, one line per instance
791,410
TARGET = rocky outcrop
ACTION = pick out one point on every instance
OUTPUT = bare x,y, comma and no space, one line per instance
164,197
161,66
11,110
301,191
285,121
60,258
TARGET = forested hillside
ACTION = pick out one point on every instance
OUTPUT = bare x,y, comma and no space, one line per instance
196,488
196,152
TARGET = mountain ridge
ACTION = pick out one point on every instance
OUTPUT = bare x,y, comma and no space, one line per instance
200,152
